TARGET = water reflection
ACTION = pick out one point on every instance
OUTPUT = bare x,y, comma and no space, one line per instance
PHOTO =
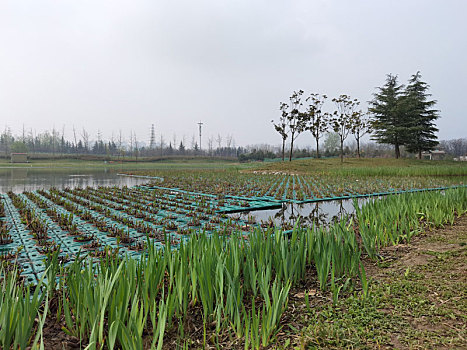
29,179
318,213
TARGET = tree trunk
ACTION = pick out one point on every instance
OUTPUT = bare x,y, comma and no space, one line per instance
291,148
398,152
283,149
342,150
358,148
419,154
317,147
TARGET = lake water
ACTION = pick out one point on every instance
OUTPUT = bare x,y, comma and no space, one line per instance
29,179
320,213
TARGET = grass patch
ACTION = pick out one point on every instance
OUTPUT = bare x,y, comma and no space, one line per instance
371,167
411,306
143,164
332,166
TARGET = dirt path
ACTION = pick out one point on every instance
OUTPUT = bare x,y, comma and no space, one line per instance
418,300
433,269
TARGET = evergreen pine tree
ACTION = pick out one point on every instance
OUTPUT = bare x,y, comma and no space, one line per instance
420,112
390,123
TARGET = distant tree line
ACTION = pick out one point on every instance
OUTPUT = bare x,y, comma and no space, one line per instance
398,116
455,147
54,143
370,149
402,117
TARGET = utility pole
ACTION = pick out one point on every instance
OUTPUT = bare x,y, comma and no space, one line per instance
200,124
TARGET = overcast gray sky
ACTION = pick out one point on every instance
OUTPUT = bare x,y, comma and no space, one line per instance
121,65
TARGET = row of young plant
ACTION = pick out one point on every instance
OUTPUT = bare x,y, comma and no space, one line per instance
158,210
234,290
125,218
37,227
295,187
127,231
149,217
191,207
5,236
237,289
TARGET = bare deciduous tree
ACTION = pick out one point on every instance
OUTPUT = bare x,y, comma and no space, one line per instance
136,146
121,151
74,137
342,119
361,127
318,121
193,144
131,142
219,141
296,119
456,147
228,141
210,143
174,140
281,126
85,137
162,144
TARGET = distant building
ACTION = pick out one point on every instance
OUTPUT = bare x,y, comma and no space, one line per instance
461,159
434,155
19,157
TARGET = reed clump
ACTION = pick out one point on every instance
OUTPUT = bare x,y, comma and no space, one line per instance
236,287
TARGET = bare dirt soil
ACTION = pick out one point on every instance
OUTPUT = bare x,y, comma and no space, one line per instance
418,300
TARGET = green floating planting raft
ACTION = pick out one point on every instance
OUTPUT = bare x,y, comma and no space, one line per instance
228,203
93,220
293,188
